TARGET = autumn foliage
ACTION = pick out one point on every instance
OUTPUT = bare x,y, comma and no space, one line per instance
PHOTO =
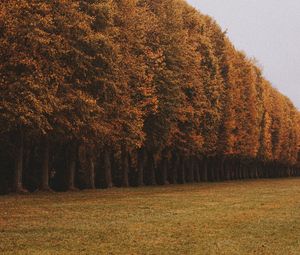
133,92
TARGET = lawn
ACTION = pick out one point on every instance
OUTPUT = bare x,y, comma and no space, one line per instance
249,217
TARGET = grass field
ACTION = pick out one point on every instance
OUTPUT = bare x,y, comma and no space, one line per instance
251,217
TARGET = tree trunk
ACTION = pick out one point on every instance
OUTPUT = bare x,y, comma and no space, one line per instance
240,175
256,172
249,170
182,170
204,170
226,170
92,173
243,172
267,175
247,174
196,169
190,164
232,169
18,178
125,166
264,170
91,169
174,168
72,155
254,168
258,169
151,169
211,170
107,168
236,170
217,169
164,168
140,166
45,165
222,169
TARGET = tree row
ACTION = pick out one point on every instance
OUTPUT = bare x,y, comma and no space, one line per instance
133,92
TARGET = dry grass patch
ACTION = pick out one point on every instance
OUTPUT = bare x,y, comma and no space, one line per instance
250,217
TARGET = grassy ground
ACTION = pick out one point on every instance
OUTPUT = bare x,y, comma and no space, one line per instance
254,217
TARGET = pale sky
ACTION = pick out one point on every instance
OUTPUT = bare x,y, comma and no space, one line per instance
268,30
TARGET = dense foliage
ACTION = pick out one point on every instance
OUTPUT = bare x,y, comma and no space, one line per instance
133,92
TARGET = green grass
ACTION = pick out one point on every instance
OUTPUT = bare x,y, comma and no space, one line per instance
251,217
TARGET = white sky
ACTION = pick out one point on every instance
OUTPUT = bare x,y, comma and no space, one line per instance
268,30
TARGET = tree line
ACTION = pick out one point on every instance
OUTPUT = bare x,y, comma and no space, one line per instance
130,93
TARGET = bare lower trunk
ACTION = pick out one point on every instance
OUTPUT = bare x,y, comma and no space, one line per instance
211,170
240,177
18,180
242,169
217,169
245,171
91,169
196,170
249,171
107,168
72,154
173,168
182,170
92,173
190,177
256,171
232,169
164,168
222,169
140,166
266,170
45,165
226,170
204,170
257,167
151,169
125,166
273,170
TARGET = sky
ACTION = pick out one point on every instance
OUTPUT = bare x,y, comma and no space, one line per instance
269,31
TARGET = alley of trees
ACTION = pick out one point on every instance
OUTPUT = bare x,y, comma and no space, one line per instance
96,94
